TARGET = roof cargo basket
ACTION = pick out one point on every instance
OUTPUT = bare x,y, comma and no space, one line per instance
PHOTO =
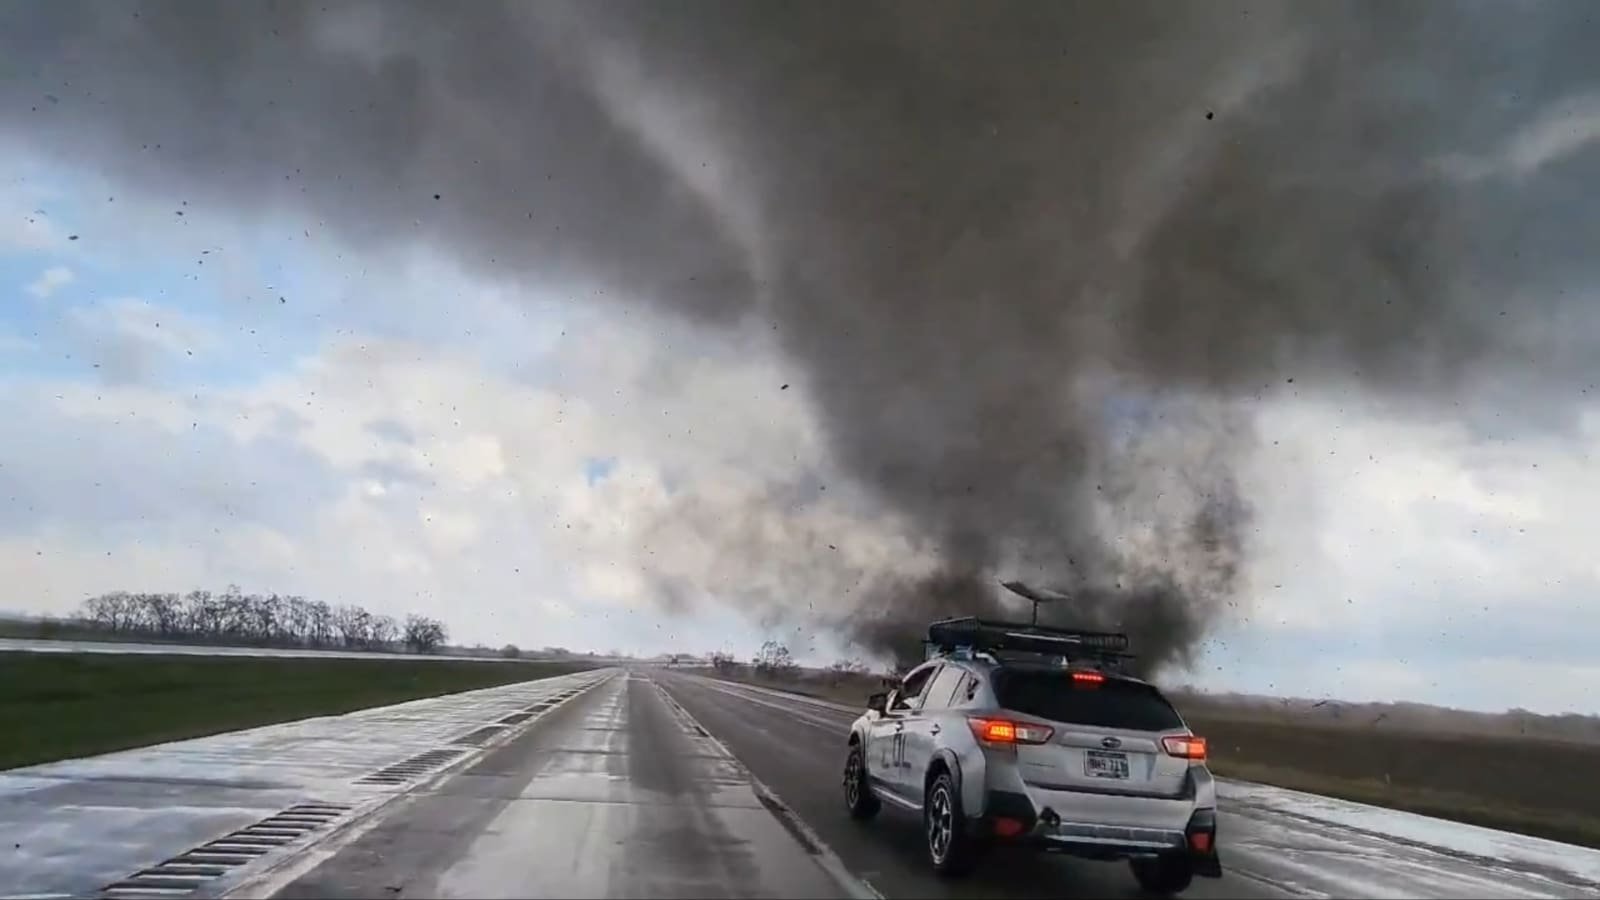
973,634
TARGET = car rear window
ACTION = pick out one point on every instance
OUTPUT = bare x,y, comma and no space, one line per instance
1109,704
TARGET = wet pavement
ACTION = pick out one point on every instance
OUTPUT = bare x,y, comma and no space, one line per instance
212,808
1274,842
618,795
634,784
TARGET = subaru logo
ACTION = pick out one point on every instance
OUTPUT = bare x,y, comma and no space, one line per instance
1110,743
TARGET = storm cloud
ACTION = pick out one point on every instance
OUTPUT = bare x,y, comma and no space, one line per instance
1032,263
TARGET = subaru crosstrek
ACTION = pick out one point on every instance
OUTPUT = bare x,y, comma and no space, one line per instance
1027,735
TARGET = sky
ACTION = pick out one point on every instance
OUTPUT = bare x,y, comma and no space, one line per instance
197,391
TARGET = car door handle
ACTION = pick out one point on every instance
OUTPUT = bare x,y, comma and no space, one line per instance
899,726
933,730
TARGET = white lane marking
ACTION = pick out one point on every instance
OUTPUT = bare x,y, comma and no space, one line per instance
1291,888
279,874
833,726
857,887
778,692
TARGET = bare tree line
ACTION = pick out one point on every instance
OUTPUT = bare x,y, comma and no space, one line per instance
233,617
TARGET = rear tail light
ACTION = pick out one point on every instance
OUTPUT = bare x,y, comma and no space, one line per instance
1185,746
1005,827
1201,832
1006,731
1087,677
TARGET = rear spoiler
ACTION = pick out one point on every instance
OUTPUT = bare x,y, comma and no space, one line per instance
991,636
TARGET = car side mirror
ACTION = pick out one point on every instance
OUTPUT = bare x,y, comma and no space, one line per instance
877,702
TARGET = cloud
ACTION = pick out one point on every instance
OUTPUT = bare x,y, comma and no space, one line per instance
49,281
402,475
28,230
414,477
131,339
1558,131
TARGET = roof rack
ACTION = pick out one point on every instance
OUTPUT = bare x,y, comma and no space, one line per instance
971,634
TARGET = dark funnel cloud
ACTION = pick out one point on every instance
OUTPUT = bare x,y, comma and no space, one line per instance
1034,263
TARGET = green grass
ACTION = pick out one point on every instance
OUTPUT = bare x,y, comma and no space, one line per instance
59,706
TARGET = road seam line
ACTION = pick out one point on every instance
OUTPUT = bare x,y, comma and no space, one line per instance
857,887
780,692
278,874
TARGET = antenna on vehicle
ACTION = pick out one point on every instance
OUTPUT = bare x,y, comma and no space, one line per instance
1036,595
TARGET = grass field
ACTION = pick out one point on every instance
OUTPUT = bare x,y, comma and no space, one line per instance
57,706
1538,787
1544,788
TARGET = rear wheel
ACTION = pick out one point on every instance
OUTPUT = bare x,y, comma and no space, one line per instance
951,849
858,797
1164,875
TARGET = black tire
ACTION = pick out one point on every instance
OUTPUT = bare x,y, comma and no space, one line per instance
1163,876
952,850
858,796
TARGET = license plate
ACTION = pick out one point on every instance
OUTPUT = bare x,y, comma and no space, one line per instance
1101,764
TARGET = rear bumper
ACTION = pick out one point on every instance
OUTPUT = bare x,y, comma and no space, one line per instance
1015,819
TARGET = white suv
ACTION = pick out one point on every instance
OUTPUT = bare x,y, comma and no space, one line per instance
1030,735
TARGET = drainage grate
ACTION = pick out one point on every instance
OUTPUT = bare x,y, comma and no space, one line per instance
413,767
478,736
185,873
516,718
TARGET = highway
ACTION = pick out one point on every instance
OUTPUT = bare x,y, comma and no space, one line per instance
642,783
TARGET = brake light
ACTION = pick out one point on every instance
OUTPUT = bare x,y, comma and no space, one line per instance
1005,731
1087,677
1185,746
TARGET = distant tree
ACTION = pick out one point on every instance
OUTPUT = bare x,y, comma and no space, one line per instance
352,624
233,616
724,663
511,651
774,659
423,634
383,631
320,630
845,669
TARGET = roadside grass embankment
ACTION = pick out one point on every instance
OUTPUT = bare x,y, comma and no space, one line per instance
1543,788
60,705
1534,786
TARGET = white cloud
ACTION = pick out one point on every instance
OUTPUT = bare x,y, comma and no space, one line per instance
130,338
49,281
466,493
27,229
1560,130
439,486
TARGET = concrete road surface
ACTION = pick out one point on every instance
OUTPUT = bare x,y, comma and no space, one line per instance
186,816
617,795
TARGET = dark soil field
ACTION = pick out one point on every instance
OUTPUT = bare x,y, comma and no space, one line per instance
60,705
